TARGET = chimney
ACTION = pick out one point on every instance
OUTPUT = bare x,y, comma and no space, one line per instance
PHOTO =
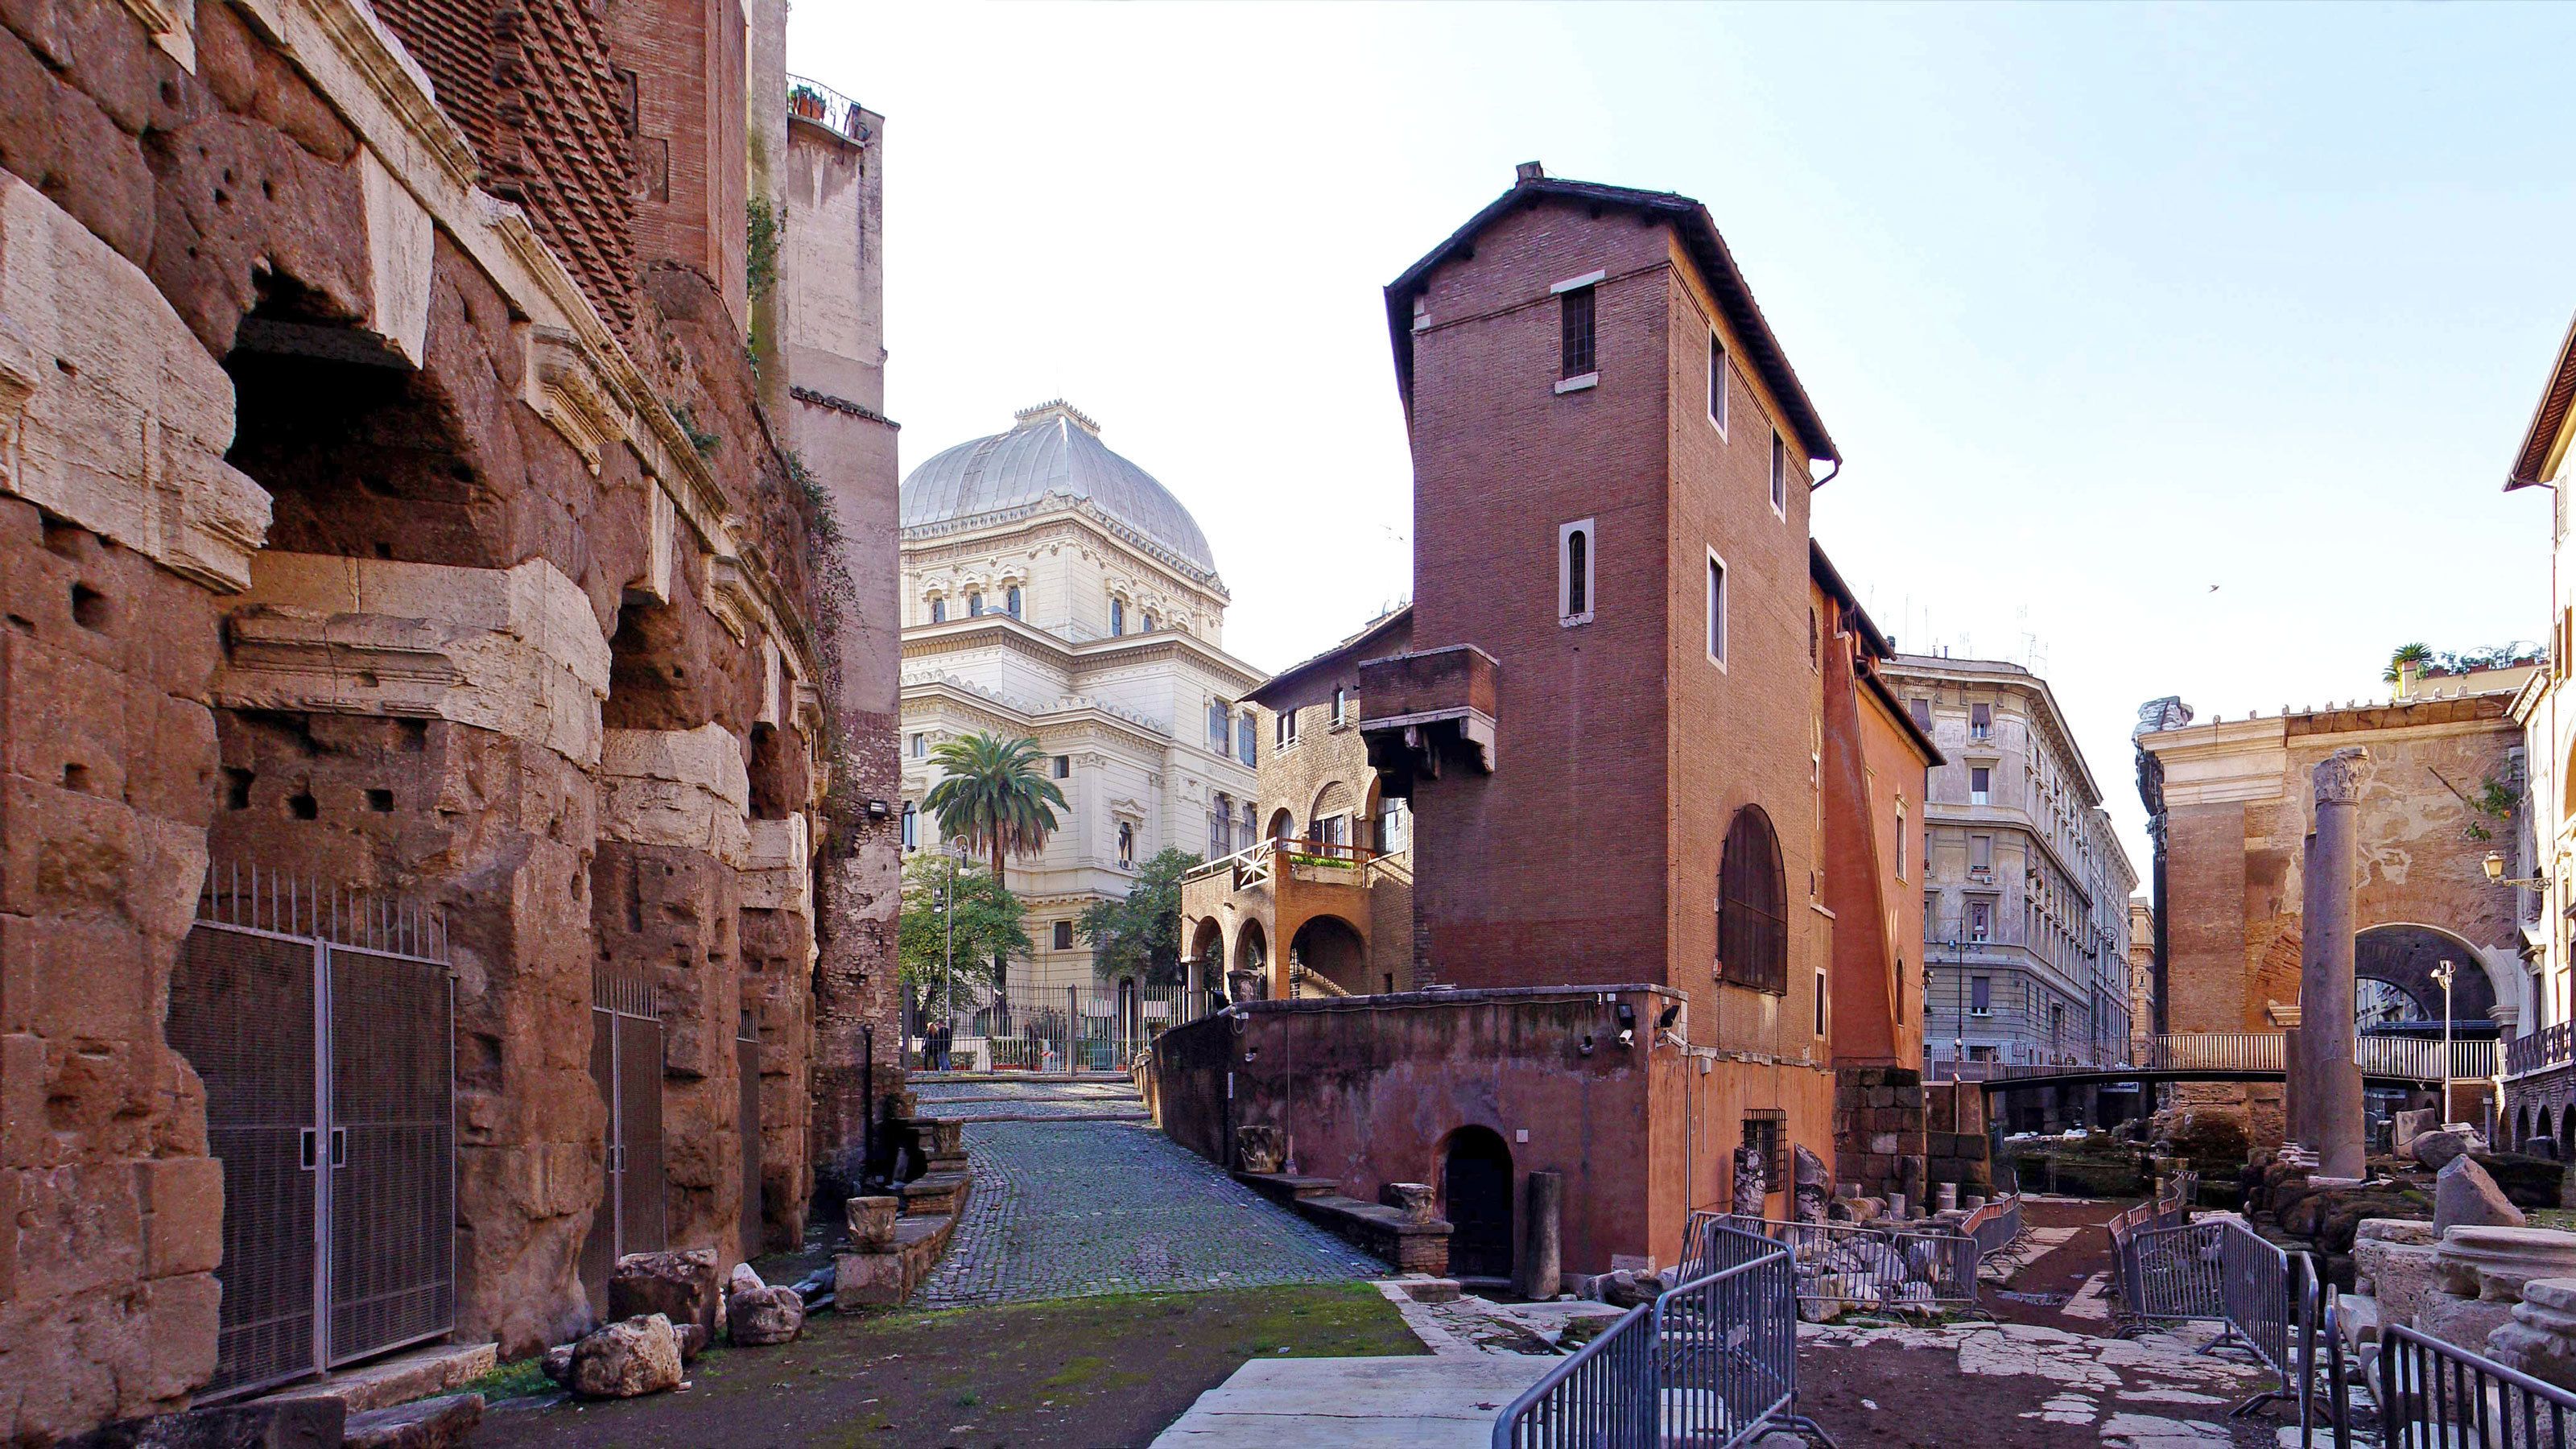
1529,171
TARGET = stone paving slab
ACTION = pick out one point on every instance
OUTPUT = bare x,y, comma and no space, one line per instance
1317,1403
1095,1203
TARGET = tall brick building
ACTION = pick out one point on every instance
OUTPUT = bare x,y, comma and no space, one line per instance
1611,719
419,686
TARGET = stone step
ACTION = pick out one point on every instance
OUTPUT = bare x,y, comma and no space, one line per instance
413,1374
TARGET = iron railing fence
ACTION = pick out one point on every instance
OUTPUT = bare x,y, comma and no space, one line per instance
2433,1395
811,100
1858,1265
2408,1058
2553,1045
1712,1364
1051,1030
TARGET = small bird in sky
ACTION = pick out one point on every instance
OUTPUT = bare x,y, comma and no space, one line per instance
2213,588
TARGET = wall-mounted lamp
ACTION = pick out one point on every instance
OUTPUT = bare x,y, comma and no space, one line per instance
2494,864
1627,1025
878,810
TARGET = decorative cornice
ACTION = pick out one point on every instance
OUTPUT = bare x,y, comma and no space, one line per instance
1111,525
822,399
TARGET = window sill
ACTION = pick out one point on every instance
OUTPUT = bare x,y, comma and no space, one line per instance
1578,384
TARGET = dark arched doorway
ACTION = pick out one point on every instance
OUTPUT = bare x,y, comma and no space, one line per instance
1476,1197
1331,948
1252,960
2395,965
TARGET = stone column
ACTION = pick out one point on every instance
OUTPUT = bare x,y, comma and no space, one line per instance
2299,1061
2333,1085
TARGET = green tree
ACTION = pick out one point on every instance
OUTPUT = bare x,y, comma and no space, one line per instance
1140,936
995,797
991,923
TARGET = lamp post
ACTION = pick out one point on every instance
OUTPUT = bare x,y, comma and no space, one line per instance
2443,974
954,850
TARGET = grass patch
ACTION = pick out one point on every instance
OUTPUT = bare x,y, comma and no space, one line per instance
2563,1219
518,1380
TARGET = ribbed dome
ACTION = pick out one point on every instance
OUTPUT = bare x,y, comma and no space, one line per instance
1054,450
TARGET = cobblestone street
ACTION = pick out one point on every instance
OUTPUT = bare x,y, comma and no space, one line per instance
1076,1193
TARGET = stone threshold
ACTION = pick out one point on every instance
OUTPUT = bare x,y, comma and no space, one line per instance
415,1373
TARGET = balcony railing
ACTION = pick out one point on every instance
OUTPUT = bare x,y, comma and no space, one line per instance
2551,1046
2411,1058
1259,861
811,100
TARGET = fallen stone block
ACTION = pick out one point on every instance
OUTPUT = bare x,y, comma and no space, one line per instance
761,1316
2462,1322
556,1364
2541,1339
447,1422
2464,1196
1431,1290
867,1280
679,1286
2434,1150
743,1279
627,1359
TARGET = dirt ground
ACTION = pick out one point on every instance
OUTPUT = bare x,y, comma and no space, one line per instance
1889,1395
1079,1373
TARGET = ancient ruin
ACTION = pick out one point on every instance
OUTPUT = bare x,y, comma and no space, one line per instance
427,637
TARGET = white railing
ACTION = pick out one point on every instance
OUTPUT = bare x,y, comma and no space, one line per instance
2417,1059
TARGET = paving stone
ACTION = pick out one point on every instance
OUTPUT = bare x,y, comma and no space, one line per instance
1073,1198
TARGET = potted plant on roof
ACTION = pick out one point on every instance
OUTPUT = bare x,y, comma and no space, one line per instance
805,101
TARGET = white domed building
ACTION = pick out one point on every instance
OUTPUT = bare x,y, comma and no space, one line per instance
1055,590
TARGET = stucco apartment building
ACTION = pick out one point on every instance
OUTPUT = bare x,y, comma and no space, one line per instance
1053,590
1614,600
2026,888
417,685
1320,901
2540,1084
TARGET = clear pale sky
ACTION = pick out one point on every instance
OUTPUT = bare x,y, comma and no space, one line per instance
2104,306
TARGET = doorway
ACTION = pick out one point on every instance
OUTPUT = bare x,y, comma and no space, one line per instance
1476,1196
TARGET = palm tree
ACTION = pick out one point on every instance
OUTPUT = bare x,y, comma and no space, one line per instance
995,796
2404,665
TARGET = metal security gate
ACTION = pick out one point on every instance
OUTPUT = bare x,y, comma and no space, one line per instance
626,1064
323,1025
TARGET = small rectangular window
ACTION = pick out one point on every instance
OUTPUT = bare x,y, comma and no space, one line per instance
920,745
1981,996
1981,920
1287,727
1717,609
1064,935
1981,721
1064,767
1921,709
1575,569
1717,382
1767,1131
1341,705
1981,852
1779,474
1246,741
911,826
1980,785
1900,840
1574,331
1820,1003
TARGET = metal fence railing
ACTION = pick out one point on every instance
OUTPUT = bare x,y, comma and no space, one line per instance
1048,1030
1712,1364
1857,1265
2265,1299
2431,1393
1994,1226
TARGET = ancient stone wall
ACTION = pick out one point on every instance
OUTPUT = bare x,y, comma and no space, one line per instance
365,529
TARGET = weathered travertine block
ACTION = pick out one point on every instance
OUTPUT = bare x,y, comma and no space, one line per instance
515,651
778,872
871,1221
2494,1262
627,1359
2541,1340
113,414
685,788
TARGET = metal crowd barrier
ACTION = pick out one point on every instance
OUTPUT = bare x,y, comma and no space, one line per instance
2431,1394
2264,1298
1994,1226
1713,1364
1864,1265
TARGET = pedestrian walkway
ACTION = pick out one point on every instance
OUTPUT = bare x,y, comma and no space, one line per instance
1077,1194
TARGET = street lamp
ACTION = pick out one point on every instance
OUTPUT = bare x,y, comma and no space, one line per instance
954,850
2494,864
2443,974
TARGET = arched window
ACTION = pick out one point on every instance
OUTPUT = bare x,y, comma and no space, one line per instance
1011,601
1149,621
975,605
1117,617
939,611
1752,914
